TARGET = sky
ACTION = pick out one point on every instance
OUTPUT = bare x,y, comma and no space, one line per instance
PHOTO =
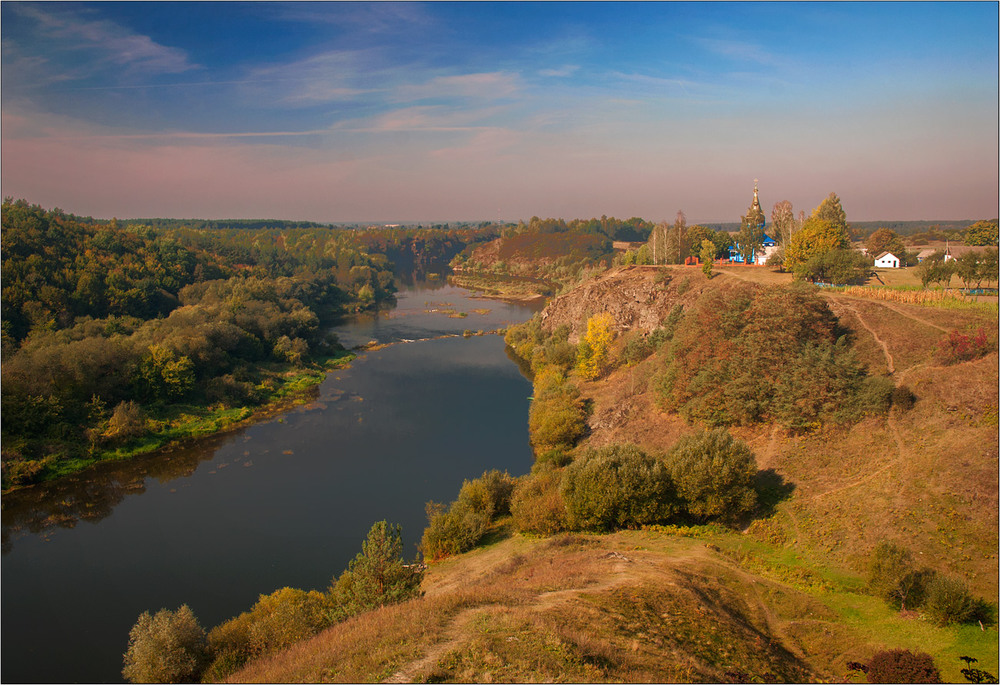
406,112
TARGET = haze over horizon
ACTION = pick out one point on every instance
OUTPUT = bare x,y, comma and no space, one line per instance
399,112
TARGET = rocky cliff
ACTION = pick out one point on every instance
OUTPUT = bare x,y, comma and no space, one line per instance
637,297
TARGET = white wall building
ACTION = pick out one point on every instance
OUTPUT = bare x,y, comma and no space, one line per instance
887,260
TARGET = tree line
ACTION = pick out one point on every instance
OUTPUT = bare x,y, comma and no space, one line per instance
112,334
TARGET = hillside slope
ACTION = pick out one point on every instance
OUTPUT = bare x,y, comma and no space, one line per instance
783,599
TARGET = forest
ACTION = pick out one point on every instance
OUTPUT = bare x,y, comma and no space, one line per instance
120,338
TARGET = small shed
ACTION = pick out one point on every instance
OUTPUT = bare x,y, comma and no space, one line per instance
887,260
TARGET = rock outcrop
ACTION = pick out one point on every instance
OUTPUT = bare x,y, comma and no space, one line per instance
637,297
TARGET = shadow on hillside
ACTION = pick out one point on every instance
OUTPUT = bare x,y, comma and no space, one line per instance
772,489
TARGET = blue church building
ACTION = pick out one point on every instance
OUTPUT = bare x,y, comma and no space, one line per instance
769,244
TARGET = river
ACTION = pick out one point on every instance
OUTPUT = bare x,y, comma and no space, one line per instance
284,502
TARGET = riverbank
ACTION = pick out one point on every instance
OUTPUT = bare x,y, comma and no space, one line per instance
181,425
518,289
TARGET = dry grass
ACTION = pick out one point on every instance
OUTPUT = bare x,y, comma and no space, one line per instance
635,606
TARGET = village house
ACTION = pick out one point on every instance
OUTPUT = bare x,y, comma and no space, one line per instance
887,260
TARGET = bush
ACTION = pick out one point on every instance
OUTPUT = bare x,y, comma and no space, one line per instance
903,398
616,487
893,577
714,474
451,530
458,528
537,504
902,666
276,621
490,493
948,600
557,418
959,347
168,647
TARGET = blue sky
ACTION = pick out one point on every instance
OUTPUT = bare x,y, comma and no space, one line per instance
466,111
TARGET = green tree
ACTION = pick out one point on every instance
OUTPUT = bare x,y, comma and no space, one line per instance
892,575
714,474
617,487
162,375
935,269
167,647
988,267
377,575
982,233
707,256
750,239
968,269
948,600
835,266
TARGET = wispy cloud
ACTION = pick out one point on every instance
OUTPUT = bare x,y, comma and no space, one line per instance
112,43
743,51
560,72
490,85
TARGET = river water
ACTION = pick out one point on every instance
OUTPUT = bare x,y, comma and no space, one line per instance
284,502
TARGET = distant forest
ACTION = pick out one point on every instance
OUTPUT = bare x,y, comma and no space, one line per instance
863,229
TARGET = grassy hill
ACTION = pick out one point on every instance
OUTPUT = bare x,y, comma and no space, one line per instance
782,599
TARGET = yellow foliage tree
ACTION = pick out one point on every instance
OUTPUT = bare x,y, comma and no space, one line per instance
593,356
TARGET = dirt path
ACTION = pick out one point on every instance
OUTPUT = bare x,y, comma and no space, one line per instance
890,363
456,633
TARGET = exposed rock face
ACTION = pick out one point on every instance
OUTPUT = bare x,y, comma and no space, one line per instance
637,297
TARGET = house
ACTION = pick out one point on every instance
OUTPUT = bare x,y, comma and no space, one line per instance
887,260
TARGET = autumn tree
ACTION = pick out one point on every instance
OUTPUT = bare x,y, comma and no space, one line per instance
166,647
593,356
831,210
982,233
816,237
885,240
783,220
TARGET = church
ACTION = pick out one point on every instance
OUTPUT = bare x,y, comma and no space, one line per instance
756,215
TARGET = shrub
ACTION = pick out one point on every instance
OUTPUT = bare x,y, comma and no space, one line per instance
892,575
714,474
948,600
537,504
959,347
276,621
490,493
903,398
616,487
902,666
557,418
459,527
167,647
